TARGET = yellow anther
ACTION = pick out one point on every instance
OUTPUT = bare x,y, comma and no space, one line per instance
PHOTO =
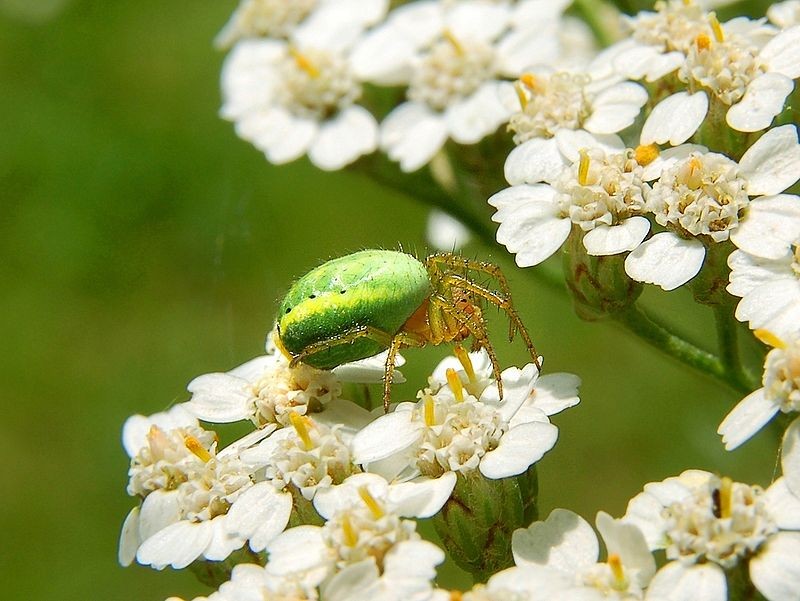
530,81
522,95
583,167
429,407
372,504
769,338
716,27
196,448
304,64
456,596
300,424
726,498
615,563
457,46
463,358
455,384
646,153
348,532
702,41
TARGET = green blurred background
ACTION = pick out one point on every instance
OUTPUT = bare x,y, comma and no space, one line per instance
143,244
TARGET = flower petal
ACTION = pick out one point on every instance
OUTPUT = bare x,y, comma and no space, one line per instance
177,545
772,164
675,119
260,514
749,273
764,98
615,239
411,134
627,541
479,115
615,108
782,53
783,505
555,392
564,541
297,550
129,540
771,227
519,448
665,260
537,160
748,417
386,436
678,582
790,457
341,140
220,398
775,571
421,498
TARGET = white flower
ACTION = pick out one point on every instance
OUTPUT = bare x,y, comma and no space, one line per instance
463,426
785,14
708,524
781,392
364,528
446,233
454,57
196,501
283,18
708,195
566,545
298,97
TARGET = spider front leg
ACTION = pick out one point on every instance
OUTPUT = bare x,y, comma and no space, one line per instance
400,340
351,335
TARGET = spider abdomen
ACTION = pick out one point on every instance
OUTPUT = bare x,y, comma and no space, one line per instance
376,288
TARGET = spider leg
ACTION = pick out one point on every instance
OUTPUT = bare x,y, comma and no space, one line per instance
400,340
347,337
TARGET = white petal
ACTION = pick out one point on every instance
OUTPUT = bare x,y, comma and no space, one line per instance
281,136
344,496
751,414
249,77
421,498
446,233
675,119
775,570
352,580
783,505
749,273
519,448
517,389
571,141
136,427
774,306
222,543
790,457
763,99
614,239
341,140
369,370
772,164
411,134
477,20
533,581
220,398
479,115
260,514
129,540
627,541
665,260
644,511
616,108
296,550
349,417
555,392
537,160
177,545
161,508
782,53
336,26
677,582
385,436
510,198
771,226
564,541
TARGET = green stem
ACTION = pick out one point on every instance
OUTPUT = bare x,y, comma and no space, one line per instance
641,324
728,347
592,12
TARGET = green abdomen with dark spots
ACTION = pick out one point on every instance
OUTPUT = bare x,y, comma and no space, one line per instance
377,288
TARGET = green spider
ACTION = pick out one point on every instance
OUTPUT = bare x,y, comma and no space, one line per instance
358,305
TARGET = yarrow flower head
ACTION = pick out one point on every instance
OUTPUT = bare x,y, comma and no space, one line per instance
706,198
708,524
195,501
298,96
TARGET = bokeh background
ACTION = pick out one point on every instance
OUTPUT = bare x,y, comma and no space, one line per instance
143,244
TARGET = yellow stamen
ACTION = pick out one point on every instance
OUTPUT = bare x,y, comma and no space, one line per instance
522,96
615,563
646,153
463,358
702,41
457,46
455,384
430,416
304,64
350,535
372,504
716,27
726,498
530,81
769,338
300,425
456,596
196,448
583,167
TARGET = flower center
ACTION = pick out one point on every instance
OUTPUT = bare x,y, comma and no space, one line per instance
782,376
704,194
674,26
317,84
549,104
723,65
722,521
600,189
452,70
272,18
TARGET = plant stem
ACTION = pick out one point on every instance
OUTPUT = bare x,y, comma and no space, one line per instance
592,12
728,347
641,324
